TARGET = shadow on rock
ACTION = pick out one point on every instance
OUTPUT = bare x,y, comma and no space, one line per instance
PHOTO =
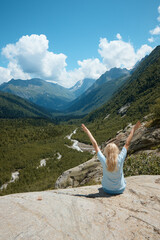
100,194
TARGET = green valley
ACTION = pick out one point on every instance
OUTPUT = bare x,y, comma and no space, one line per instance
24,142
29,133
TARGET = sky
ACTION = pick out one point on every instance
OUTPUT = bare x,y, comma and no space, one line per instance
64,41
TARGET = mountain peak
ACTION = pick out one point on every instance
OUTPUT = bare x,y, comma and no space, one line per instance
82,85
20,82
115,73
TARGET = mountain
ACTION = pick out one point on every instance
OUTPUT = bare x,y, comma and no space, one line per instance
81,86
46,94
12,106
141,89
113,73
99,92
134,100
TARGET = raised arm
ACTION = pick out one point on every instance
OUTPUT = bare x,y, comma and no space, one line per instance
138,124
93,141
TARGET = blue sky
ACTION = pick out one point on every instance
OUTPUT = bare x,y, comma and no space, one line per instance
67,40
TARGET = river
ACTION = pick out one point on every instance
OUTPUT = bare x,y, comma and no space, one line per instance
81,147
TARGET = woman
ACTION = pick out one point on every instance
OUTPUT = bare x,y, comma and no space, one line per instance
113,181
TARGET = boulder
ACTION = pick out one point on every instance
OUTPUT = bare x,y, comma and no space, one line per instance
88,172
84,213
145,138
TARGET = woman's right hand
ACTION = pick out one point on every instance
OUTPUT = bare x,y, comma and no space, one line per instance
85,129
138,124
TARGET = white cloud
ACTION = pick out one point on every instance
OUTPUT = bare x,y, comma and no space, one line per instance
88,68
27,45
91,68
16,71
4,75
143,51
155,31
29,57
159,13
53,65
121,54
30,54
151,39
118,36
12,71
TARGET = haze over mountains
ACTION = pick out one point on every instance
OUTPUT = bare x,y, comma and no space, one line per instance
57,98
46,94
86,95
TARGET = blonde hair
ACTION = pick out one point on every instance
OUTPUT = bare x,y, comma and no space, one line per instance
111,151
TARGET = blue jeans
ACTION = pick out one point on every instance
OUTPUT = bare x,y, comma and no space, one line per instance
113,192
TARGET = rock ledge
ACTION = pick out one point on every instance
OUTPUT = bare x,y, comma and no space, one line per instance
84,213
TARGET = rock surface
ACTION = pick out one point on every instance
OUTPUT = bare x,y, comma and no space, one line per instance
144,138
84,213
90,171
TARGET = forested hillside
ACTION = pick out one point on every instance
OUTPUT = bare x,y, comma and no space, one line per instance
24,143
12,106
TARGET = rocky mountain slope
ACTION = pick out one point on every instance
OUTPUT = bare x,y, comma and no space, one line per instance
84,213
145,141
81,86
99,92
46,94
